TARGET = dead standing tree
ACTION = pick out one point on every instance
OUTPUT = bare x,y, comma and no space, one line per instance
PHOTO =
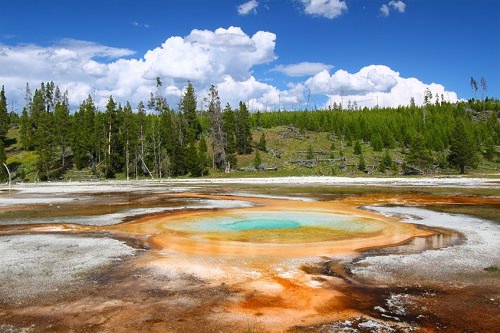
216,129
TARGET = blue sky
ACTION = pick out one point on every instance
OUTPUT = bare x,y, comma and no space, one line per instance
363,51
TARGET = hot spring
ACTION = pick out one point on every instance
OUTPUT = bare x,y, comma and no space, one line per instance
289,227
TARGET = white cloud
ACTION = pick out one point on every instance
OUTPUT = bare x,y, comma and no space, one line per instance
368,79
385,10
371,85
204,57
302,69
207,56
325,8
398,6
223,57
70,63
248,7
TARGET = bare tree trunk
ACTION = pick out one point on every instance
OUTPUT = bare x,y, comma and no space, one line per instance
127,160
136,170
142,142
150,174
108,162
155,157
159,152
63,154
8,172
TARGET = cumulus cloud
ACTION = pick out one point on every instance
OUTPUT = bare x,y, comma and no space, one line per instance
373,85
204,57
398,6
302,69
385,10
70,62
248,7
368,79
325,8
225,57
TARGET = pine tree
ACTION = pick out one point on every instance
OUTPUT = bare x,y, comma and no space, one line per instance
179,151
130,139
490,151
111,122
142,126
230,134
45,145
171,127
473,85
243,133
84,135
412,102
386,162
310,152
25,129
43,134
193,162
217,129
49,96
357,148
262,143
483,91
419,155
362,163
377,142
62,124
3,156
4,114
203,156
188,107
257,161
463,150
258,119
36,113
427,96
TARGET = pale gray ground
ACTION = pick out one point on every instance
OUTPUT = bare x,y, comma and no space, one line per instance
35,265
481,249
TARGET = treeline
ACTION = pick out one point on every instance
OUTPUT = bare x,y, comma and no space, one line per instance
152,139
448,134
388,127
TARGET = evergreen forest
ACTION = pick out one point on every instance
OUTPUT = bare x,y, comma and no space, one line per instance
50,141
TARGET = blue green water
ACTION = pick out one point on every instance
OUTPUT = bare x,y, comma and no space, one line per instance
265,223
267,220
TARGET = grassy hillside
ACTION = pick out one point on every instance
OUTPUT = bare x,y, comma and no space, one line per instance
292,146
22,163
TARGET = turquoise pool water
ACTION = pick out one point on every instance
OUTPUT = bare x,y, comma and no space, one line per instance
263,223
265,220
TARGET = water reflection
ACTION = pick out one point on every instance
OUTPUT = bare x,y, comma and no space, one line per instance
440,239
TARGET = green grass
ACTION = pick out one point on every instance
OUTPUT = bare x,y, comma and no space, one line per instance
13,140
23,162
295,149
